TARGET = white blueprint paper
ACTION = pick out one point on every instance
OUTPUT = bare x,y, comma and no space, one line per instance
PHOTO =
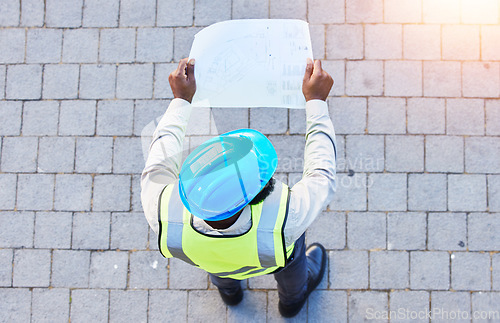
251,63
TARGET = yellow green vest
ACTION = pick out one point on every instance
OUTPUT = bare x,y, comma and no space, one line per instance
260,250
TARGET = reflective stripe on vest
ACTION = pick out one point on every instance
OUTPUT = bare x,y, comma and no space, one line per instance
262,246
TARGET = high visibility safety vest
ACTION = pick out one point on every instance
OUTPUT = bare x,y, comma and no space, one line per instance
260,250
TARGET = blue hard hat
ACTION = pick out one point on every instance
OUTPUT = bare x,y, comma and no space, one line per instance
221,176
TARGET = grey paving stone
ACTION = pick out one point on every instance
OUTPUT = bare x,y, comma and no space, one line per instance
290,150
344,41
63,13
56,154
487,306
13,305
117,45
60,81
483,231
8,193
495,264
326,12
73,192
351,193
3,73
427,192
167,306
348,115
40,118
53,230
70,268
487,72
162,88
172,13
494,193
269,120
394,262
50,305
25,260
147,111
408,305
466,192
296,120
458,110
360,11
94,155
128,305
365,153
115,117
442,78
97,81
185,276
111,193
6,256
208,12
328,306
404,153
403,78
383,41
129,231
155,45
183,39
89,305
205,305
12,41
482,154
10,116
273,315
429,270
137,13
329,229
426,116
101,13
77,117
16,229
225,120
136,193
364,306
108,269
35,192
317,33
260,282
406,231
245,10
32,13
444,154
43,45
24,82
447,305
251,309
152,240
366,230
447,231
387,192
470,271
148,269
19,154
10,13
364,78
336,68
386,116
492,115
91,230
199,122
134,81
348,269
127,156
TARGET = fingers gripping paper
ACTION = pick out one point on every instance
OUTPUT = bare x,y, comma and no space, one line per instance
251,63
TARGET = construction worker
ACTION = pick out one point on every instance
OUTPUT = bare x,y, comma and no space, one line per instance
224,212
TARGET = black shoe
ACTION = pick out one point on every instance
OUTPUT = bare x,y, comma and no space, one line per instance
316,264
232,299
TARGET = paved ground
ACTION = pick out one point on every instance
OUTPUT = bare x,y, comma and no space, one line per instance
415,222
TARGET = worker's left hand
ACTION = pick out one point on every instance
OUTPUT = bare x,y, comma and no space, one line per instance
182,80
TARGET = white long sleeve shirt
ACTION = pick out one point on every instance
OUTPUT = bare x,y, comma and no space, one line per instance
308,197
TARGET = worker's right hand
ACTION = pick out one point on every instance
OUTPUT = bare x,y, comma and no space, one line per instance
182,80
317,83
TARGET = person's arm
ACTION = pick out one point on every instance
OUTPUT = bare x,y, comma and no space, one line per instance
317,186
165,152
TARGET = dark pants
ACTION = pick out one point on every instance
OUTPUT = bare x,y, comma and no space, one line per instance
292,279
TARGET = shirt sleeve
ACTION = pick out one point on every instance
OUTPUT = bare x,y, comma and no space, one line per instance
316,188
164,157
